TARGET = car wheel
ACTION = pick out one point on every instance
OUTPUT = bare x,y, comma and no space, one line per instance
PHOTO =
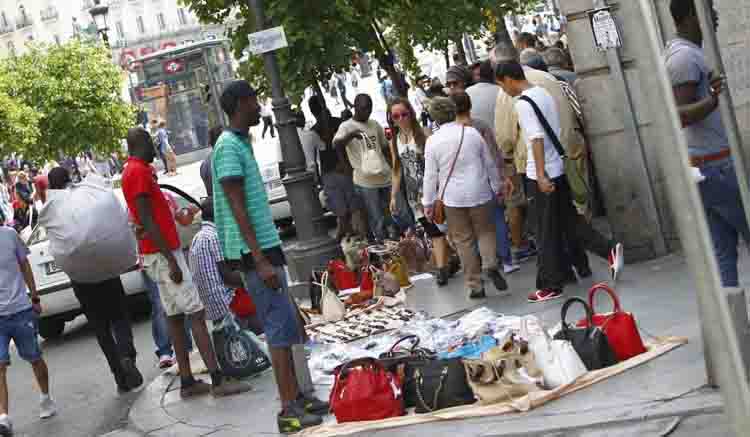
51,328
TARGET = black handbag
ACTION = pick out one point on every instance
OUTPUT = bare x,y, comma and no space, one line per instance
590,343
394,358
237,352
437,384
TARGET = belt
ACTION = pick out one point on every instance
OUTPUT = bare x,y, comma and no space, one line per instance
698,161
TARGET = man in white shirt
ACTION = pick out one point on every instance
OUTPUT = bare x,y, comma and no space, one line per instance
364,142
558,223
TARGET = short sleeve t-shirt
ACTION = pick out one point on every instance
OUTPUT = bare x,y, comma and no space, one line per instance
233,158
13,291
533,130
355,151
686,63
138,179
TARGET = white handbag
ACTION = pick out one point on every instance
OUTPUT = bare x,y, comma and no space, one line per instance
373,163
332,308
559,362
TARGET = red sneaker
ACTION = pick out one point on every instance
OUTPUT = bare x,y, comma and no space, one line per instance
545,294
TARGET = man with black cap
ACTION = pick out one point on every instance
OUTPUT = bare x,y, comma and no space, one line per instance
457,79
251,241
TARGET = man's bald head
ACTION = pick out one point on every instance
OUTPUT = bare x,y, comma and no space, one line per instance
140,144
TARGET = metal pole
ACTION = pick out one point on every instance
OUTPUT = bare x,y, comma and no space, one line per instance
632,133
726,106
313,247
719,336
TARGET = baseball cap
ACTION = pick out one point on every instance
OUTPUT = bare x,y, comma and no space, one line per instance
235,90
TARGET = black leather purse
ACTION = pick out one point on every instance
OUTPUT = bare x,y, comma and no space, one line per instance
590,343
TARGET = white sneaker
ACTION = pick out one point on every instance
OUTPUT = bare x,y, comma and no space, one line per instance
511,268
6,428
47,407
616,261
166,361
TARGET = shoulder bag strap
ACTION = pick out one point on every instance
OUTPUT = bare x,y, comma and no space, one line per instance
547,127
453,165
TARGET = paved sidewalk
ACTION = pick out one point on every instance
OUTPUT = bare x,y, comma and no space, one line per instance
650,399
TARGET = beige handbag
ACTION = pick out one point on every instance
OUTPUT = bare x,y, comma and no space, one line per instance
503,374
332,307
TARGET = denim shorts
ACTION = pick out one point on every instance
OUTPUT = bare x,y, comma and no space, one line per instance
22,329
276,312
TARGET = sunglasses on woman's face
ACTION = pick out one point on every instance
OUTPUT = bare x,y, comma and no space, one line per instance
400,115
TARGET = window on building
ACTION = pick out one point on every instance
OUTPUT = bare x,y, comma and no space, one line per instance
139,23
120,30
160,21
182,16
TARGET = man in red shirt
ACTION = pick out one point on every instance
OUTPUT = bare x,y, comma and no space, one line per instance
165,264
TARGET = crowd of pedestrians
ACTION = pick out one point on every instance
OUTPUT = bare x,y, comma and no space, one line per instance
480,165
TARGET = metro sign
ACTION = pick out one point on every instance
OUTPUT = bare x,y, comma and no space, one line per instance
174,66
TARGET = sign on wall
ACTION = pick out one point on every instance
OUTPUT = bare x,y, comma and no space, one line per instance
604,28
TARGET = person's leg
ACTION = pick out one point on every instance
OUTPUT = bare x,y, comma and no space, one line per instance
375,215
4,406
441,250
503,243
159,330
120,317
24,334
41,374
483,223
96,307
265,127
549,238
5,335
176,326
462,235
203,340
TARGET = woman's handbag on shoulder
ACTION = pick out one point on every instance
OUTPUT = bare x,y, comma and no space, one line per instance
619,327
365,390
590,342
438,209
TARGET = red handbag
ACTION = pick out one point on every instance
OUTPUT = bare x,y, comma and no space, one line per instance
242,304
343,278
364,390
619,326
366,288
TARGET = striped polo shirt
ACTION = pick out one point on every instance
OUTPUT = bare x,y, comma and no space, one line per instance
233,157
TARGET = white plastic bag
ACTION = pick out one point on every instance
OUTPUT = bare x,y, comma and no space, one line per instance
88,231
332,307
373,163
559,362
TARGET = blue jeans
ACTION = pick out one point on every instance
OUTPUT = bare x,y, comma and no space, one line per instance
159,329
376,201
22,328
275,309
503,242
726,217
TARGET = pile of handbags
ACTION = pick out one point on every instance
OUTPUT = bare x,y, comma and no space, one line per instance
410,376
376,270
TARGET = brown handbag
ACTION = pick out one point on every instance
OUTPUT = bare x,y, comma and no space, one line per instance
438,214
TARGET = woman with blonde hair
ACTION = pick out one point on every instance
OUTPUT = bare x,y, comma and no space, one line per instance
407,155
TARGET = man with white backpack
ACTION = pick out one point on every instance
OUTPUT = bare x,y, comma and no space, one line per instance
364,142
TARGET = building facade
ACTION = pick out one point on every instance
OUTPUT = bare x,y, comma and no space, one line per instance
136,27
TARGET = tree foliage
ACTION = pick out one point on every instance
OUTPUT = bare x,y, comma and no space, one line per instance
323,34
64,100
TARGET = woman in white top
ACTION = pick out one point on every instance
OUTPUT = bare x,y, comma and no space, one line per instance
460,171
407,155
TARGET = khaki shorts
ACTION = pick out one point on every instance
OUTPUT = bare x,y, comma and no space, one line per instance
176,298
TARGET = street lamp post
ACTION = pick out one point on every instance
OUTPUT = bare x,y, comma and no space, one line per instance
99,14
314,247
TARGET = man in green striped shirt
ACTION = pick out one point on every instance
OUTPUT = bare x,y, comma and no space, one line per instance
249,239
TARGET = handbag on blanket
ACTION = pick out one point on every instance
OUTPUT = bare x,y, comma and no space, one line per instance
590,342
438,384
619,327
343,277
504,373
396,266
558,361
365,390
332,308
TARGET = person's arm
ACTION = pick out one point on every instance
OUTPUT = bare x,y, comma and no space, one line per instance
152,232
531,125
690,108
22,253
232,278
537,149
234,190
488,160
430,181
